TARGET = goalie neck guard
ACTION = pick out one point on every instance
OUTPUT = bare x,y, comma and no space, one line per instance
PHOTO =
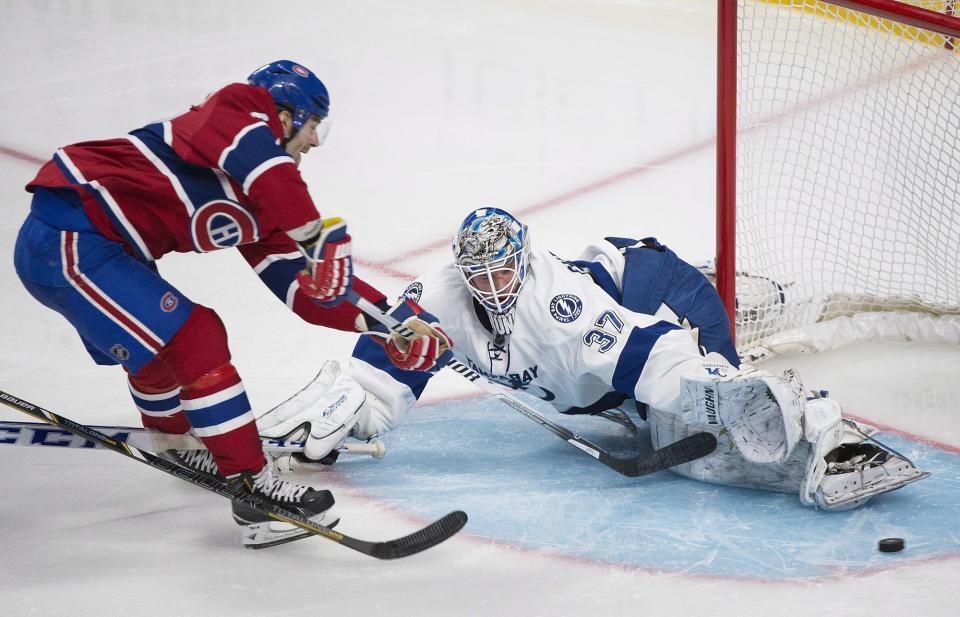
490,250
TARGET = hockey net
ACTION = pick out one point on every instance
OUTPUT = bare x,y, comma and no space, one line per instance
841,126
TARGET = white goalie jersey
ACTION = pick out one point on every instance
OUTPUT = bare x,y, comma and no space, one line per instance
573,345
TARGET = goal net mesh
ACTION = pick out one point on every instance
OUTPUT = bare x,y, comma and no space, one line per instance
848,167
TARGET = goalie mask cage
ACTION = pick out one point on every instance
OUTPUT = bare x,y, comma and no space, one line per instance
838,159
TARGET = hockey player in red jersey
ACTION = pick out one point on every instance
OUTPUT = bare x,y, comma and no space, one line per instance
224,174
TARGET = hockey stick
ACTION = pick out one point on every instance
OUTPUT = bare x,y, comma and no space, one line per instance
431,535
685,450
40,434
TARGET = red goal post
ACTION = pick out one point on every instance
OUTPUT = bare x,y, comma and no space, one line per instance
838,170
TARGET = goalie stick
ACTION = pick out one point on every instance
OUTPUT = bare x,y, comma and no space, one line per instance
685,450
427,537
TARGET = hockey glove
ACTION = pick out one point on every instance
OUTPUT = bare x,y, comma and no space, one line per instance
424,351
329,273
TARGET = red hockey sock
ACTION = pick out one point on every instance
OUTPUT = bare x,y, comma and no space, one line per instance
218,410
157,396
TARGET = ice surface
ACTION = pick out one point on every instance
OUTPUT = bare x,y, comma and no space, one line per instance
588,118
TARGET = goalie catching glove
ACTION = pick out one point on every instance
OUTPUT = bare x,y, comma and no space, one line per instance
762,412
329,273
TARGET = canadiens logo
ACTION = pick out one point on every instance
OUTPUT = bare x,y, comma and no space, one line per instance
168,302
299,70
413,291
220,224
566,307
120,352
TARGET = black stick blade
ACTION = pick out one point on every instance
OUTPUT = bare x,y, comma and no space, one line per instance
687,449
429,536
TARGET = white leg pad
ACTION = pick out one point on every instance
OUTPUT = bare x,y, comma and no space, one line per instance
726,465
761,411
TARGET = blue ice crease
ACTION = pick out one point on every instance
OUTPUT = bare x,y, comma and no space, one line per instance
521,484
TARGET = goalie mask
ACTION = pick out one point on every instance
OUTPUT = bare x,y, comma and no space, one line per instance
491,250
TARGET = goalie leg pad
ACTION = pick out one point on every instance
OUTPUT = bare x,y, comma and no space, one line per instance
289,415
726,465
323,414
762,412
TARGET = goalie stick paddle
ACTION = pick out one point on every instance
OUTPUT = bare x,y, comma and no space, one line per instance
427,537
685,450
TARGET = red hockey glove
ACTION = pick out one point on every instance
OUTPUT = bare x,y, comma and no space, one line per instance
420,353
329,273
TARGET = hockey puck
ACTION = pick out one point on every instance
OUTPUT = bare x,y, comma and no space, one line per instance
891,545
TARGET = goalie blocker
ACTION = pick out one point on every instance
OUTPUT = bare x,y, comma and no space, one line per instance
771,436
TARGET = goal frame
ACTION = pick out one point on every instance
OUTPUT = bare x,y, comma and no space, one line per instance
726,161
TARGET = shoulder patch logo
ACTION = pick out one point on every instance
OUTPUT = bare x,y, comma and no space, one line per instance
413,291
565,308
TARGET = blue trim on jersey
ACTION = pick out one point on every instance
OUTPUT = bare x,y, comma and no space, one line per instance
279,275
601,277
254,148
201,184
373,354
654,276
636,351
115,223
219,413
65,170
119,227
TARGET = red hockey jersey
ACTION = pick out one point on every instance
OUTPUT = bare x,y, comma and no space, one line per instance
215,177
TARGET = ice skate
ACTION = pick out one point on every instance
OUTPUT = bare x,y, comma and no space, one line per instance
261,531
847,465
856,472
198,460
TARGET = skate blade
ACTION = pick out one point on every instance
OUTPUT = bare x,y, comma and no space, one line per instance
273,533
